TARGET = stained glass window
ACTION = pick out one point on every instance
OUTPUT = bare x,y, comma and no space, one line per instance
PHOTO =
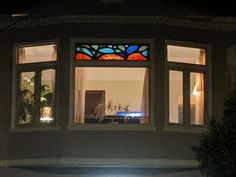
112,52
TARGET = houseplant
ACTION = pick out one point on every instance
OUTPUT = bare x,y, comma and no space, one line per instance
110,110
26,102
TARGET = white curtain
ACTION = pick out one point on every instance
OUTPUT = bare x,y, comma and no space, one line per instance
54,53
21,55
79,95
145,99
199,97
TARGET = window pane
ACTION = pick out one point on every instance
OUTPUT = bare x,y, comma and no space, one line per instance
112,52
186,55
197,98
175,97
47,96
34,54
111,95
26,98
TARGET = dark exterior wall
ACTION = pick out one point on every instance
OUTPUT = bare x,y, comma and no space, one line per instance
106,144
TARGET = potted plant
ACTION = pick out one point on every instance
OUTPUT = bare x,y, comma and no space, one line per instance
46,104
26,100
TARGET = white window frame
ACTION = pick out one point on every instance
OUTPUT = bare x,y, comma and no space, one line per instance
35,67
185,67
149,64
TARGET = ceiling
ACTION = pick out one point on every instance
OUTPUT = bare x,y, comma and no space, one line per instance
120,7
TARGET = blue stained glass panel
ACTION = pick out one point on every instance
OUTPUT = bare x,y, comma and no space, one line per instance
132,49
106,50
80,49
145,53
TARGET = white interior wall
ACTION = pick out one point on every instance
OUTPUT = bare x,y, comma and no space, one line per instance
120,92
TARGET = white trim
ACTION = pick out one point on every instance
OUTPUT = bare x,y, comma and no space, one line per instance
17,67
107,127
101,162
150,64
206,69
212,23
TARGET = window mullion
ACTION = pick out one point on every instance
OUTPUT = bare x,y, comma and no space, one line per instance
18,89
36,120
186,97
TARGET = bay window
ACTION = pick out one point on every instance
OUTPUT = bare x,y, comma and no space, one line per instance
111,83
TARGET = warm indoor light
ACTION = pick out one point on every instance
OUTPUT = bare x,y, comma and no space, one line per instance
45,117
195,93
19,15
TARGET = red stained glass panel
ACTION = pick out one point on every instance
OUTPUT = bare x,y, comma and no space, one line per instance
136,56
81,56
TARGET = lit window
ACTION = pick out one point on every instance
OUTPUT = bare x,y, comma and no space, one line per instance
175,96
106,90
187,76
185,55
36,80
36,54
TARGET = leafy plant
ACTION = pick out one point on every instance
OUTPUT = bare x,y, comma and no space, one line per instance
46,96
26,100
111,108
216,151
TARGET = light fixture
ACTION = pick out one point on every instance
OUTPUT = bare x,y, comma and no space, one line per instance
195,93
19,15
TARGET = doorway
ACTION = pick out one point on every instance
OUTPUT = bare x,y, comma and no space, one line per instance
92,99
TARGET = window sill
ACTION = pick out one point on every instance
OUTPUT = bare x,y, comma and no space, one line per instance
34,129
184,129
107,127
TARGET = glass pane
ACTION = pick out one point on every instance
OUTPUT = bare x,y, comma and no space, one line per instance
175,97
26,98
197,98
111,95
47,96
35,54
186,55
112,52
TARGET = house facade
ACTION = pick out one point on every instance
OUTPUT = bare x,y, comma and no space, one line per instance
111,95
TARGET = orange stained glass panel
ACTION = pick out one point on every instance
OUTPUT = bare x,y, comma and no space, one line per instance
136,56
111,57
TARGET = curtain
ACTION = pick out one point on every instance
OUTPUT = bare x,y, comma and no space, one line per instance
199,96
54,53
21,55
79,95
145,99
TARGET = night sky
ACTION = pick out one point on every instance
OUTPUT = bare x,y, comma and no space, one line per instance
151,7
